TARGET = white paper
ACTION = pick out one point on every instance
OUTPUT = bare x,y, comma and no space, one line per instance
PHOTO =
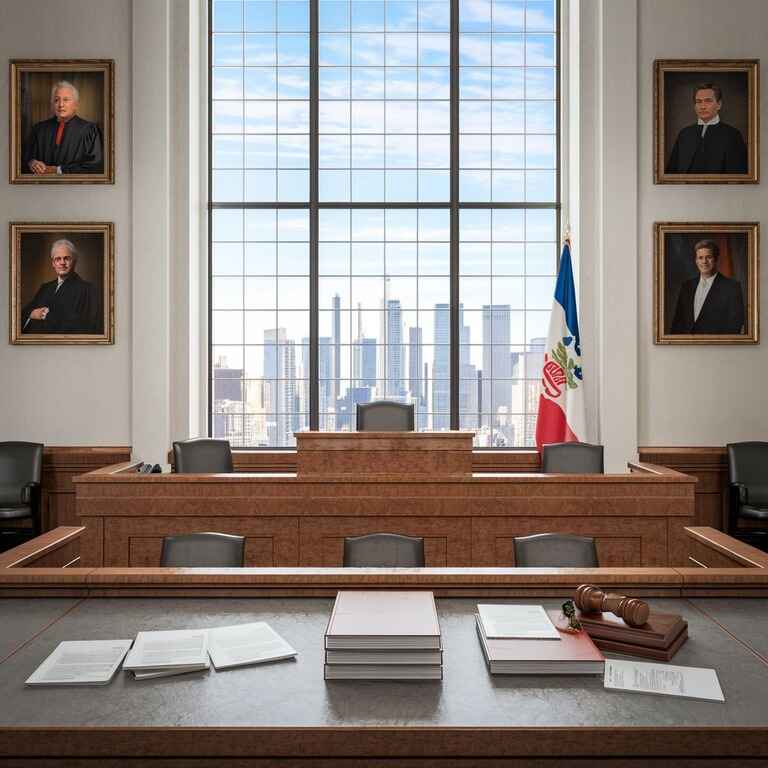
522,621
246,644
130,663
81,662
169,648
665,679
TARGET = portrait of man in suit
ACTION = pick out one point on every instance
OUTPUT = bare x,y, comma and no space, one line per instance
62,283
706,121
62,121
705,283
711,302
710,145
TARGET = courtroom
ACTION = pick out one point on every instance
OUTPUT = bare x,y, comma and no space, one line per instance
383,384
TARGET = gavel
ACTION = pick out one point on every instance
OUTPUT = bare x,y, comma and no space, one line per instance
592,599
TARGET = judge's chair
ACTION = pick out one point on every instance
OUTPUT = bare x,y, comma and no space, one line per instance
202,455
21,466
203,550
572,458
555,550
383,550
384,416
748,475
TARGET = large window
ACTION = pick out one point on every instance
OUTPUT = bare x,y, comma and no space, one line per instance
384,210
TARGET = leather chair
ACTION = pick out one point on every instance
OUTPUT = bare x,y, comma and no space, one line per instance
383,550
384,416
21,466
572,458
202,454
555,550
748,475
203,550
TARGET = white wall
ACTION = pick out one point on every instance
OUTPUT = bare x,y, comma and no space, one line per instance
706,395
139,392
69,395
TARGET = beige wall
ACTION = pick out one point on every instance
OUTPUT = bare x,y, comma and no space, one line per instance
706,395
69,394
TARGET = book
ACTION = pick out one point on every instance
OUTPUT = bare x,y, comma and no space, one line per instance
663,679
166,671
383,657
383,672
243,644
523,621
183,650
81,662
363,620
575,654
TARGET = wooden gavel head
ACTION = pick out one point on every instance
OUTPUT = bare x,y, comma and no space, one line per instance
592,599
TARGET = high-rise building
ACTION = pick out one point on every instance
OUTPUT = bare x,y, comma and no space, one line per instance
280,392
497,363
394,375
415,381
441,369
336,348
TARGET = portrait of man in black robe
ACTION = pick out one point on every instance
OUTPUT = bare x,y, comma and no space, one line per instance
710,145
64,143
66,304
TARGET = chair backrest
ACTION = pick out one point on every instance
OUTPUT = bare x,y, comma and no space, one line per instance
555,550
20,463
384,416
202,454
203,550
384,550
748,463
572,458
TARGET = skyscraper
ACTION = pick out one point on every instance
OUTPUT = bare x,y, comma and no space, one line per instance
394,349
497,362
280,394
415,385
441,369
336,348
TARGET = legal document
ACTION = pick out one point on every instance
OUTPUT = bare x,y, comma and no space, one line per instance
665,679
522,621
243,644
169,649
81,662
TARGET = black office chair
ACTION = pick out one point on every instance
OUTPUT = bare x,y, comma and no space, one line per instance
202,454
21,466
555,550
572,458
384,416
748,475
383,550
203,550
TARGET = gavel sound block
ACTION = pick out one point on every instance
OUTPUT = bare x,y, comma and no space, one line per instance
627,625
592,599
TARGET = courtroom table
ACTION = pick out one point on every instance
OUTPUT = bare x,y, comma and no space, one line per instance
286,710
467,520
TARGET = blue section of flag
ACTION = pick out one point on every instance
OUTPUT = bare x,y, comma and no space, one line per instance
565,294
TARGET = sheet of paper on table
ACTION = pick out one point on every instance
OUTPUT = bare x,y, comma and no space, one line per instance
81,662
663,679
529,622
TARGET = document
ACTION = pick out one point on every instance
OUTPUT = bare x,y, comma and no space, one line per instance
81,662
665,679
243,644
519,621
167,649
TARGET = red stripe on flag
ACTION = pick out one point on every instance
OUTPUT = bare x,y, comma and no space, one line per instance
551,425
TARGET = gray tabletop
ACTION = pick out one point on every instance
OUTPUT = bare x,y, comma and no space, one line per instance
294,692
745,617
21,618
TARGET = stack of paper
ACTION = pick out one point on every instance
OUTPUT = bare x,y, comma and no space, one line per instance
81,662
523,640
244,644
168,652
383,636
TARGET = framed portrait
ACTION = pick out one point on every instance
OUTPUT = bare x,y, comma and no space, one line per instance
62,283
706,115
706,283
62,121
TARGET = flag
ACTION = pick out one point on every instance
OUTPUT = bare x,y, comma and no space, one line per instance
561,401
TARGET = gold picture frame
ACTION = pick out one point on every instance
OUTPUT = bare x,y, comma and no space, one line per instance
687,310
84,151
62,283
682,155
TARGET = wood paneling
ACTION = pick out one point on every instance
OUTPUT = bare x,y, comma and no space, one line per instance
60,465
709,465
634,515
59,548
